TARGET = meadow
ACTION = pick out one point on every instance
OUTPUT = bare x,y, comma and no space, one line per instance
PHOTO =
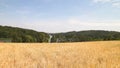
98,54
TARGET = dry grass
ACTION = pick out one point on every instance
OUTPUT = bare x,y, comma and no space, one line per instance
60,55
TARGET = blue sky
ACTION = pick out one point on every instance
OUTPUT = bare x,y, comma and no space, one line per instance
61,15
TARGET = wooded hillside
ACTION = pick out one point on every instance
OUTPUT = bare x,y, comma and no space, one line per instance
91,35
22,35
15,34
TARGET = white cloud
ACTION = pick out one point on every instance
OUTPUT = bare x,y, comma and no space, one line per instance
96,1
71,24
114,3
94,22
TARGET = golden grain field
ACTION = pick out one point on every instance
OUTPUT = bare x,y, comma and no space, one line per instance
60,55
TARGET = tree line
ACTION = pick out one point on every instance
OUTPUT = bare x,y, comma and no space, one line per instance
15,34
90,35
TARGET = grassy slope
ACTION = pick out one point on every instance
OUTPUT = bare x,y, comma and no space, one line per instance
60,55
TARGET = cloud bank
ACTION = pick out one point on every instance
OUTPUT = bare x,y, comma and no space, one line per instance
114,3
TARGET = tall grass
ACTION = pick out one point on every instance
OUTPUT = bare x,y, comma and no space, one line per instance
60,55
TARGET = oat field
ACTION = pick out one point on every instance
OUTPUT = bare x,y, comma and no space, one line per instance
103,54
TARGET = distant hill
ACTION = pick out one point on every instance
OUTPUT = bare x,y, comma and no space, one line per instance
90,35
15,34
21,35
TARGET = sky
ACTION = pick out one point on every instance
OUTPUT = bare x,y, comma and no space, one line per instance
61,15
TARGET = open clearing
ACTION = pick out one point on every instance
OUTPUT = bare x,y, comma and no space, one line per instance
103,54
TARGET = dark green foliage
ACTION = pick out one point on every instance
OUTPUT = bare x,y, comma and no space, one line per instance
22,35
92,35
14,34
5,40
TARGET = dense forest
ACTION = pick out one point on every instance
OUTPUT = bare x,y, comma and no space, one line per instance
15,34
91,35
